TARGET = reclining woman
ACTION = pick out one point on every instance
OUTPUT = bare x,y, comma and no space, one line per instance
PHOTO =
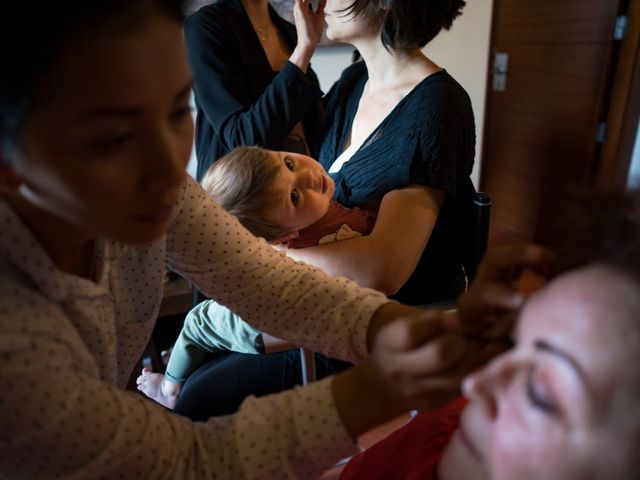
398,139
563,404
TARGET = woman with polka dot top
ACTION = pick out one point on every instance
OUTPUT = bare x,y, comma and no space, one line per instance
95,133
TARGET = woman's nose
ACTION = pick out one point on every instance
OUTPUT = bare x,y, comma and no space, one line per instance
485,385
168,167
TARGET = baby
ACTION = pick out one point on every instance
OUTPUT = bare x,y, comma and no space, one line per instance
280,196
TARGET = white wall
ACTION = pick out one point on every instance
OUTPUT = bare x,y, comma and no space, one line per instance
193,161
634,168
329,61
463,51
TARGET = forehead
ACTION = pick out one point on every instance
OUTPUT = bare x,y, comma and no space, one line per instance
594,296
592,314
115,63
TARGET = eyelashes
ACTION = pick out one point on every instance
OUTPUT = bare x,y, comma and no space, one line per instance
538,400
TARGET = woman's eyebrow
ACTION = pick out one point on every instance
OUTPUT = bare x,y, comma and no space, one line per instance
129,112
109,112
546,347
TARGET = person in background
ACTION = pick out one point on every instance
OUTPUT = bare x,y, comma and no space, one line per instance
252,81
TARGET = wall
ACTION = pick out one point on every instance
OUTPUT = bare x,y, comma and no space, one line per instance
463,51
634,168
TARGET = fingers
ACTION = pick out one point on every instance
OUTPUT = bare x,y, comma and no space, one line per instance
495,296
499,296
435,356
509,261
406,333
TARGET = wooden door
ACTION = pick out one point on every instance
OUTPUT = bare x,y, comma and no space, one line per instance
541,131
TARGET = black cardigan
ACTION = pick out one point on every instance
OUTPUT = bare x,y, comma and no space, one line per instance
240,100
427,139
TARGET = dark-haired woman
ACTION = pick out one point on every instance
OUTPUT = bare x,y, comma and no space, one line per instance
397,122
95,134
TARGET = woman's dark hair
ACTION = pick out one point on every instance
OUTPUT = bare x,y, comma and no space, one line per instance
600,227
407,24
33,32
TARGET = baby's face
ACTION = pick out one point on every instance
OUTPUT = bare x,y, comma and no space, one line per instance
305,189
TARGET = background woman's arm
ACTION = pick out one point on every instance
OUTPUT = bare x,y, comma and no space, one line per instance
385,259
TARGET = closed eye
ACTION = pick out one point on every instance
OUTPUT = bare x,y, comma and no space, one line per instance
182,112
536,399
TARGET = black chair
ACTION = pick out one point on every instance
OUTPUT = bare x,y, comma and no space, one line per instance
473,214
478,234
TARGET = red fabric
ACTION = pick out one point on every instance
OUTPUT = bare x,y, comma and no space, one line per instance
410,453
337,216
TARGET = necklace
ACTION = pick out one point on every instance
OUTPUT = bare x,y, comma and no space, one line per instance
263,33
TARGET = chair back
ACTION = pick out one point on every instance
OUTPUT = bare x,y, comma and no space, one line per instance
474,212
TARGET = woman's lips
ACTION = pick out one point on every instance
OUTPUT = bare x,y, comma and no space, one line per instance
467,443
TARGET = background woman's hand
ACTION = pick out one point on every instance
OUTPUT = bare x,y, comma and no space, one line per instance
309,24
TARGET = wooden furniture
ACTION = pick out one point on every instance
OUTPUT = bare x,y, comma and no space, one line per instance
177,297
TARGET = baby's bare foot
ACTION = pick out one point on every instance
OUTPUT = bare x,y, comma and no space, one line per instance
154,386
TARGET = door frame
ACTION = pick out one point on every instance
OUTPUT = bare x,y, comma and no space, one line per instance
623,109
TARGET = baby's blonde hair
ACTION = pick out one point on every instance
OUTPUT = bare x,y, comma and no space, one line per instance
242,183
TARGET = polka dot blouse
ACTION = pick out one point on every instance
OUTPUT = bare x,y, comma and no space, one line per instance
68,346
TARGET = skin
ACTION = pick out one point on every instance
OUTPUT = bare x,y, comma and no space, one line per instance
309,26
559,405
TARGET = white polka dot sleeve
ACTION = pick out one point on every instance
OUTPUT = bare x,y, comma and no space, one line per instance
68,345
267,289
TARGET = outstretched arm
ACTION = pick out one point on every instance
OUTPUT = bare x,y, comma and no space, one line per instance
385,259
